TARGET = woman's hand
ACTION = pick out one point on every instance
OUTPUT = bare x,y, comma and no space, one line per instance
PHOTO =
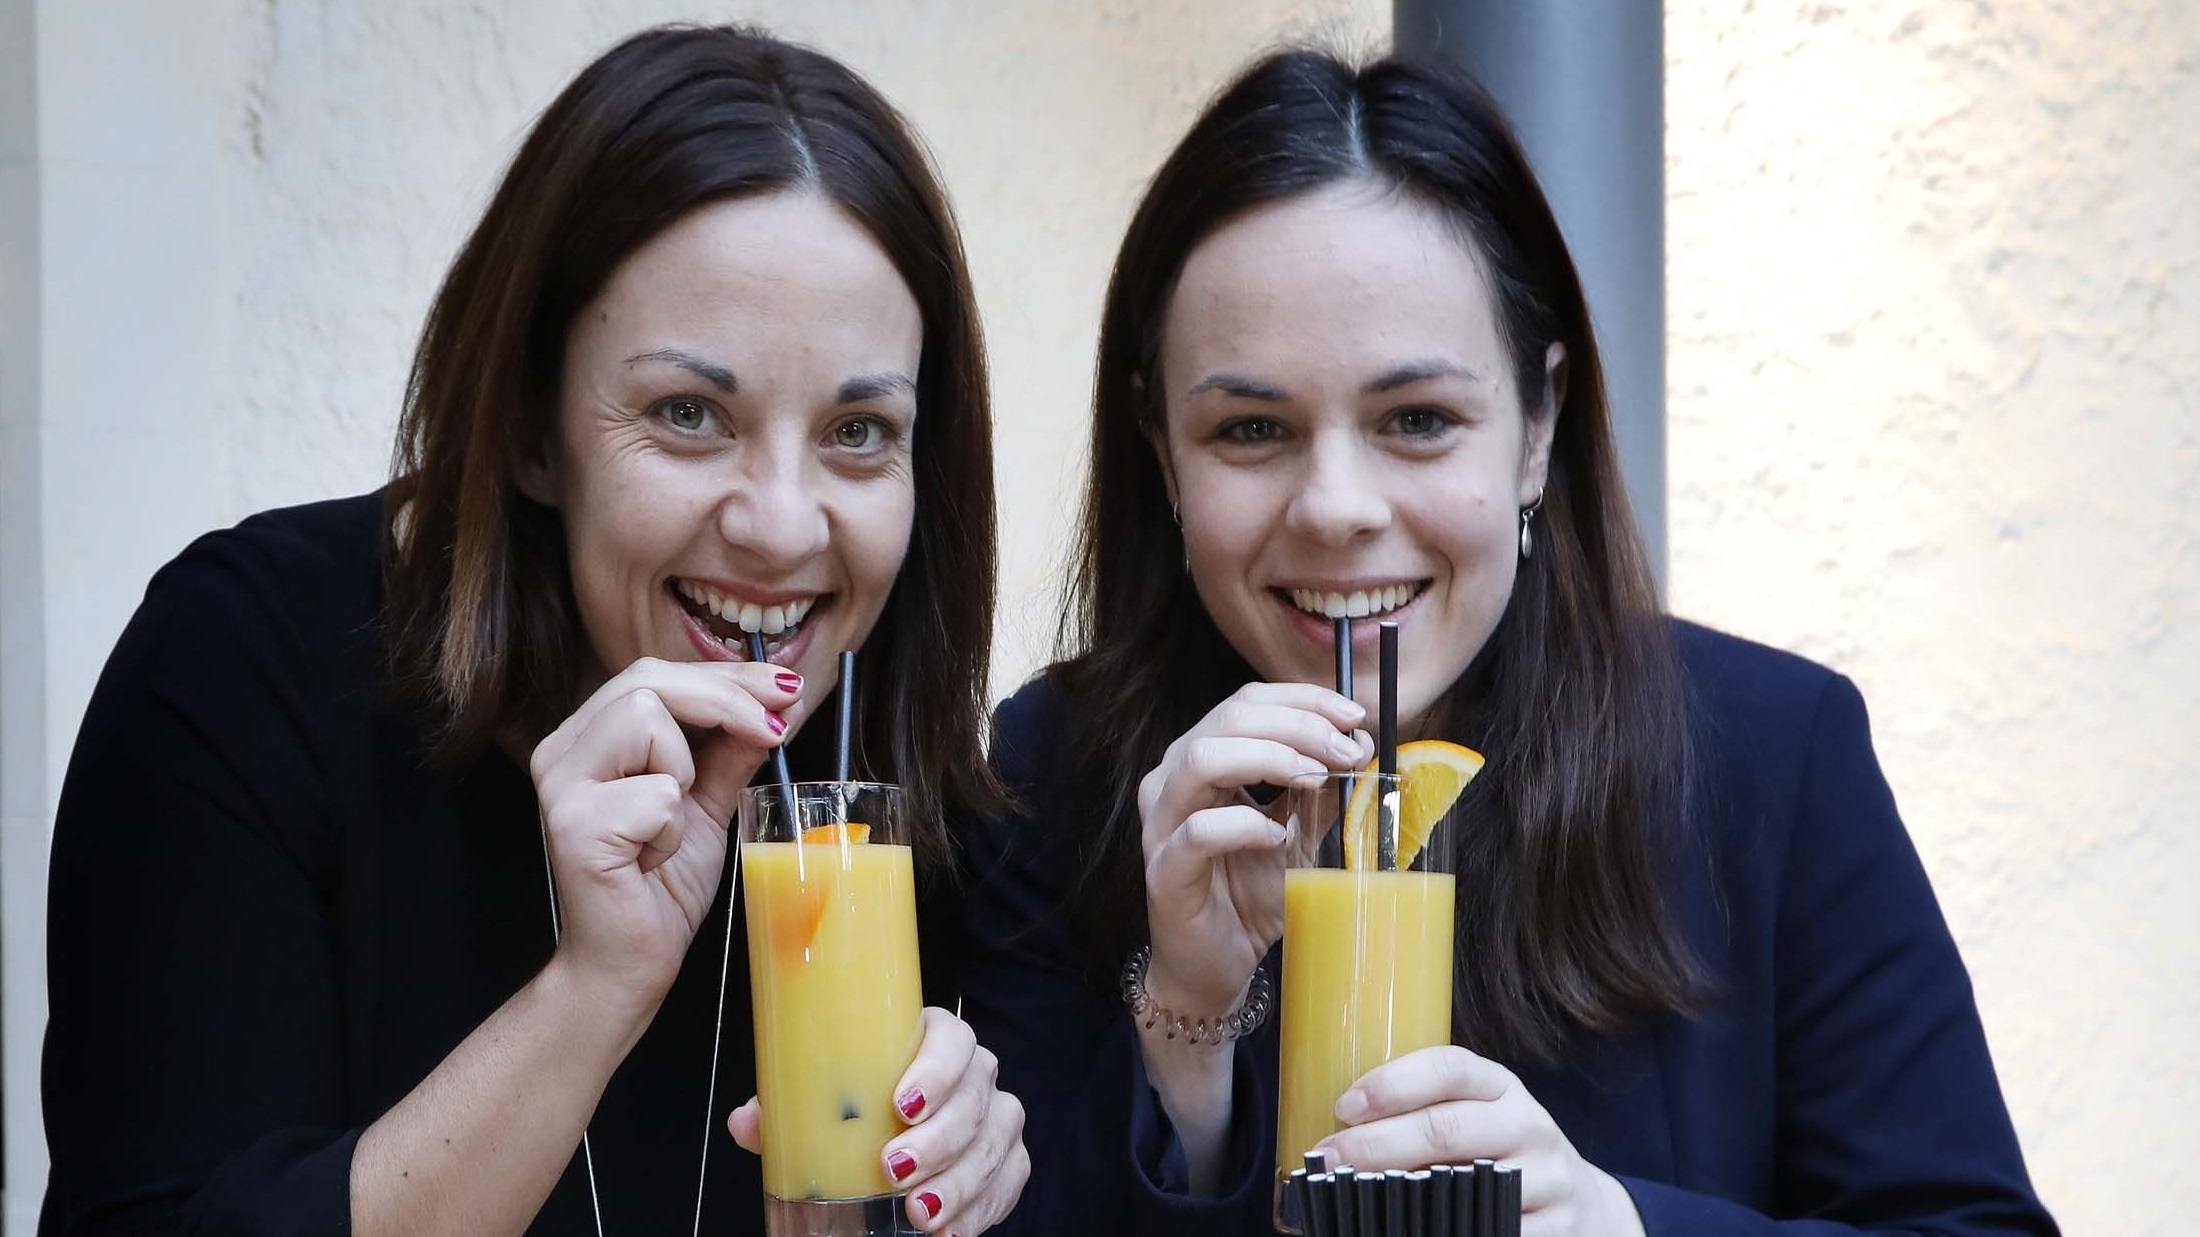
1214,864
1448,1106
636,789
962,1159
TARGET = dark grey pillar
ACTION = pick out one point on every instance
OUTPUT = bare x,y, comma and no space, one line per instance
1584,83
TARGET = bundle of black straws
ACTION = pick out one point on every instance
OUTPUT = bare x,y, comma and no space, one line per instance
1481,1199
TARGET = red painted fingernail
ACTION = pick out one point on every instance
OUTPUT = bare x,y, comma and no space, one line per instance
776,722
788,681
911,1103
900,1164
931,1204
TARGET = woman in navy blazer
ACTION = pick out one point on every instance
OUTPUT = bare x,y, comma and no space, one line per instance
1702,985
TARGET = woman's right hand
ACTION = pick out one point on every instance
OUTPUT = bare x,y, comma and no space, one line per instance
636,790
1214,863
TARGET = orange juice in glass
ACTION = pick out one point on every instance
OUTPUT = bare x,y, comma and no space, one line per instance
835,993
1367,952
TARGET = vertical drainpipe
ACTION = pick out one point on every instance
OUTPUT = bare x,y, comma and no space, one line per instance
25,817
1584,84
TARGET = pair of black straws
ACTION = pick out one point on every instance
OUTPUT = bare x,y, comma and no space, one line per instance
1481,1199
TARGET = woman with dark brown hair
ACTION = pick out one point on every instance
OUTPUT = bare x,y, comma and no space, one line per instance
395,820
1701,985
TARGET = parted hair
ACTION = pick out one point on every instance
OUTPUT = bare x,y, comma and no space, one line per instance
480,619
1576,698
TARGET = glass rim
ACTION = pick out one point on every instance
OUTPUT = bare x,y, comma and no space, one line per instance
1311,780
772,811
774,787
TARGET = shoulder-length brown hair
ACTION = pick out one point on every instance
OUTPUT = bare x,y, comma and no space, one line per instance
480,614
1575,699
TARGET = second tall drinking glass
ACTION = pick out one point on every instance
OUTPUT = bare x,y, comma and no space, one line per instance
837,996
1367,950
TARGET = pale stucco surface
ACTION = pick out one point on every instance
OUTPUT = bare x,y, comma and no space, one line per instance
1934,307
1934,300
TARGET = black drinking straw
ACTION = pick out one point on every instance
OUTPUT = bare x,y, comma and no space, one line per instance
1369,1187
1439,1201
1386,750
1462,1201
1418,1205
1321,1205
1295,1205
1317,1192
1343,630
1485,1198
1396,1203
1508,1203
1348,1202
844,732
779,754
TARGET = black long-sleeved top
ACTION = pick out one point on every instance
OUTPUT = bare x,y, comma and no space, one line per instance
1839,1084
270,917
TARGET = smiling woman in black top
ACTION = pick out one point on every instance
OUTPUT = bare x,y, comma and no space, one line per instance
708,366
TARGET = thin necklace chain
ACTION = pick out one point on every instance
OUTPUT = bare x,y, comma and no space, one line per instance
717,1039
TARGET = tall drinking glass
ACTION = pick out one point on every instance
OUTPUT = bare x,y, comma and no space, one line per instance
1367,951
838,1004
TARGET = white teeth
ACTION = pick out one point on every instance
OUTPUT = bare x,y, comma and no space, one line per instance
1363,604
767,620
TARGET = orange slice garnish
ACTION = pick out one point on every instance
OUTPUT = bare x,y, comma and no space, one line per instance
799,908
1432,775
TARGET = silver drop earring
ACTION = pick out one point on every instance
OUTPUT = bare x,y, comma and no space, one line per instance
1177,514
1527,516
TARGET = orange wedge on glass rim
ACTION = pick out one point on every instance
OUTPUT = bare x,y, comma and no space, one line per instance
1432,775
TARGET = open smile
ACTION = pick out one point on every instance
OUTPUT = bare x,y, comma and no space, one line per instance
1378,601
1312,611
720,621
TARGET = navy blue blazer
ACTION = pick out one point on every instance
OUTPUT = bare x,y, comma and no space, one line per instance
1840,1083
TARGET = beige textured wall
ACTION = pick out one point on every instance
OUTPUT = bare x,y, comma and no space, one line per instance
1934,304
1934,296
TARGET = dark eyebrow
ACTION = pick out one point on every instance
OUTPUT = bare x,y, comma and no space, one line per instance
875,386
1239,386
1416,371
716,375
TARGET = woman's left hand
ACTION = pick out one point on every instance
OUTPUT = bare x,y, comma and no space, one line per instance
1448,1106
962,1159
